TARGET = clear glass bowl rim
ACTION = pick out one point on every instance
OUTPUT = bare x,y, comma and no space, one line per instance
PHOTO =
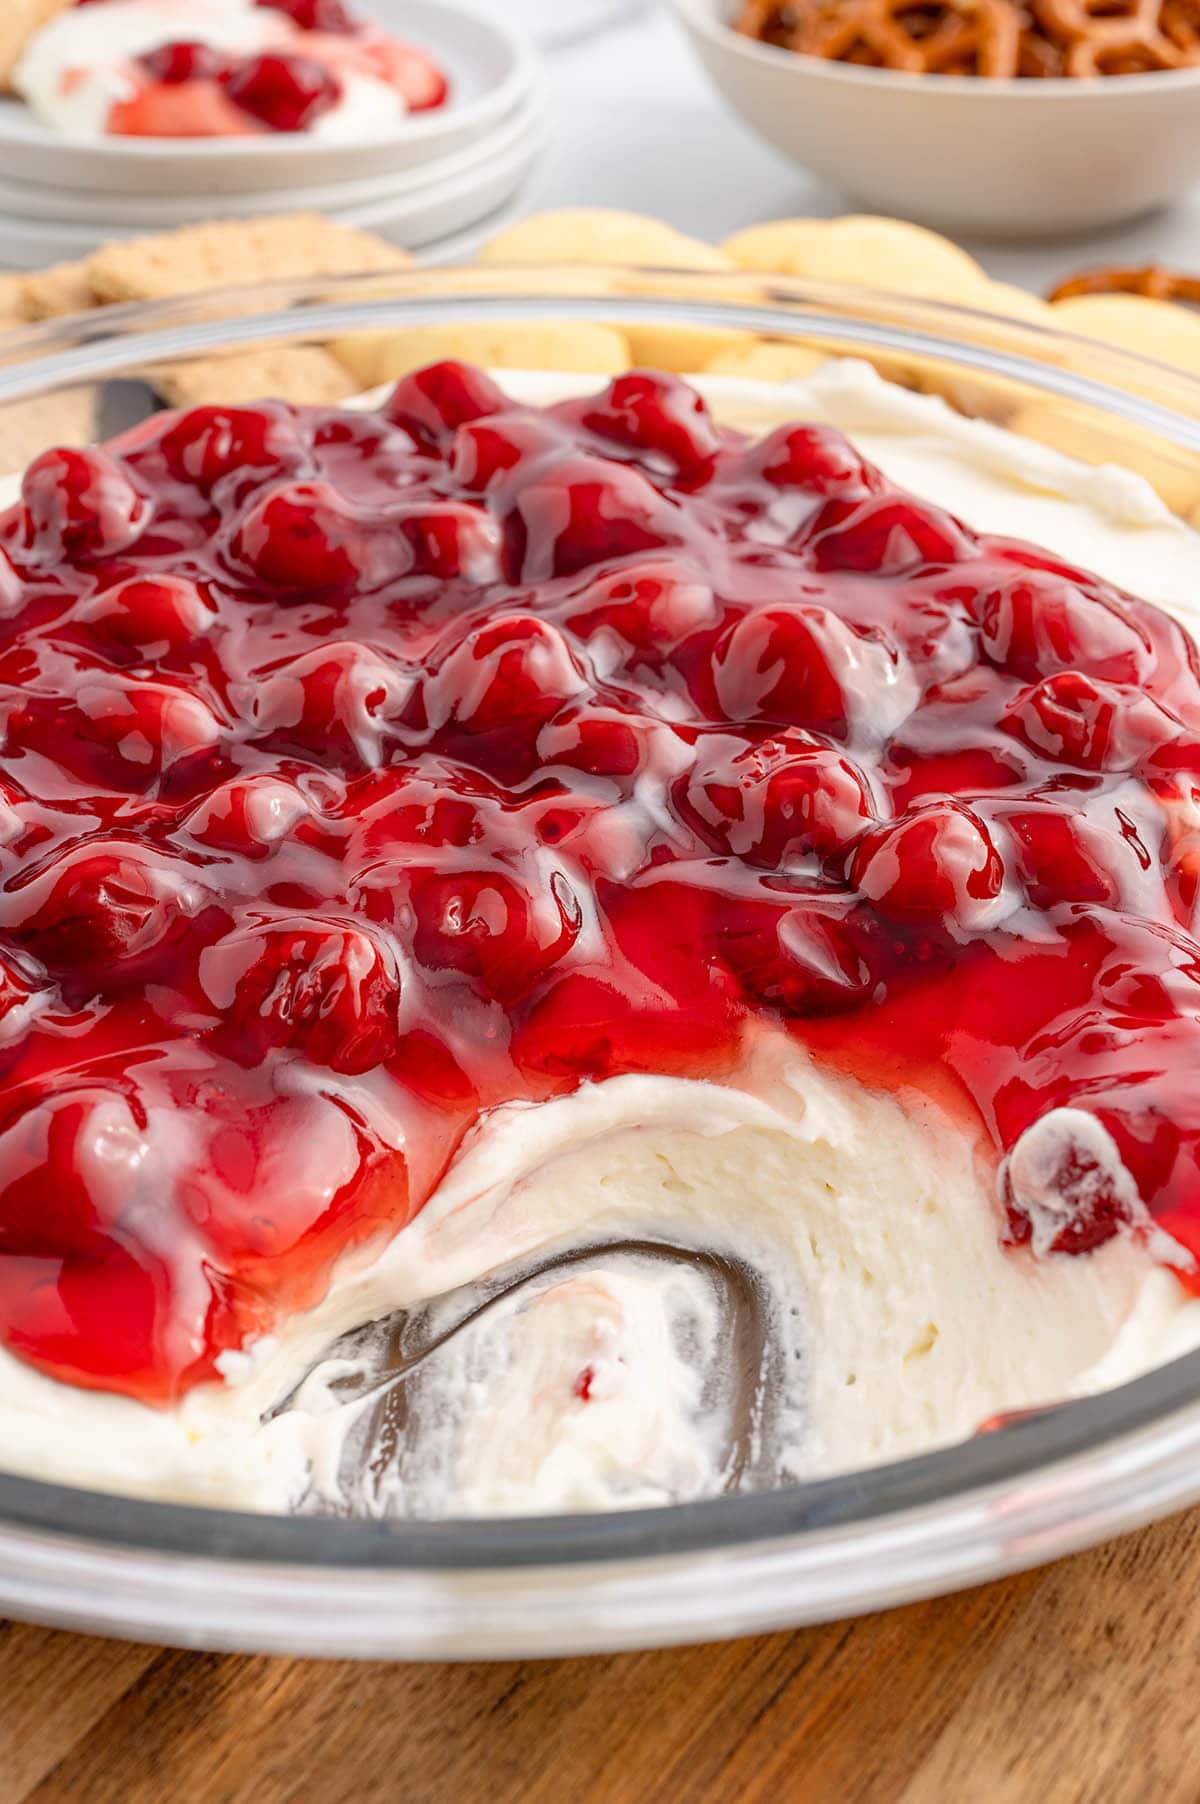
1039,1487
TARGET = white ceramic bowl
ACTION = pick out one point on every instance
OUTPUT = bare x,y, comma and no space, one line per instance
1013,159
493,70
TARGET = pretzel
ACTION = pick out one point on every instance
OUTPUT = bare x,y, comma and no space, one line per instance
1040,59
770,21
1153,283
920,37
1101,40
992,38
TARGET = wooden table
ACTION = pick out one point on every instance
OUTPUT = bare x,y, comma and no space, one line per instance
1079,1682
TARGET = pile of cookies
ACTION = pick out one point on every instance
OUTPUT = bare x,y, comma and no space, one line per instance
853,251
856,250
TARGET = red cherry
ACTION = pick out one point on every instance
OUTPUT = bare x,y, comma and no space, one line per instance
148,727
100,907
1036,623
486,451
183,61
1080,720
659,418
398,813
152,615
1064,857
75,1163
332,703
817,459
431,404
316,15
775,801
301,538
81,504
246,1157
287,93
802,957
509,674
936,862
802,666
450,539
1065,1186
248,815
583,511
651,607
206,444
118,731
891,535
487,925
611,742
589,831
324,988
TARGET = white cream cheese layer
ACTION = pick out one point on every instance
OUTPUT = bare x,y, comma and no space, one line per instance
861,1230
896,1321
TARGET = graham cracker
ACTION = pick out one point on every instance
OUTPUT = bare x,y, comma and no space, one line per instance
54,293
281,247
12,311
300,373
67,417
19,20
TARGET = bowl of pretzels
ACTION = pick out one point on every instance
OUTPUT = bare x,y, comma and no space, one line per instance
994,118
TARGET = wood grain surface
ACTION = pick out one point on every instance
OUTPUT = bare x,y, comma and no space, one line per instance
1075,1683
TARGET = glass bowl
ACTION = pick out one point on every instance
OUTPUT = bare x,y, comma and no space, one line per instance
1043,1485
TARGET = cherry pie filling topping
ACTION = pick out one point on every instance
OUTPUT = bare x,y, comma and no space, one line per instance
363,771
188,88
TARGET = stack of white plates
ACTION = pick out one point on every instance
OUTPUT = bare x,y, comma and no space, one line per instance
429,184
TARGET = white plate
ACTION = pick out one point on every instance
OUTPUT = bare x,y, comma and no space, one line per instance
460,247
492,70
420,222
451,207
77,207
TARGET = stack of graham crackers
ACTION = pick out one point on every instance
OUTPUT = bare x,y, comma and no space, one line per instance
192,260
195,259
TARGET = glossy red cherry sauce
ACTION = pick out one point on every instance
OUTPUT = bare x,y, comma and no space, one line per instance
189,89
362,771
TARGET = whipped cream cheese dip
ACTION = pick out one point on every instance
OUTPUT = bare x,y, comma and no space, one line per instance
845,1244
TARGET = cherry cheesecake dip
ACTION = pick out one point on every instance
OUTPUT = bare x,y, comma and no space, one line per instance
557,955
222,68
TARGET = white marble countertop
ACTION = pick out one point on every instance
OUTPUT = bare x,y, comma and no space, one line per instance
639,127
